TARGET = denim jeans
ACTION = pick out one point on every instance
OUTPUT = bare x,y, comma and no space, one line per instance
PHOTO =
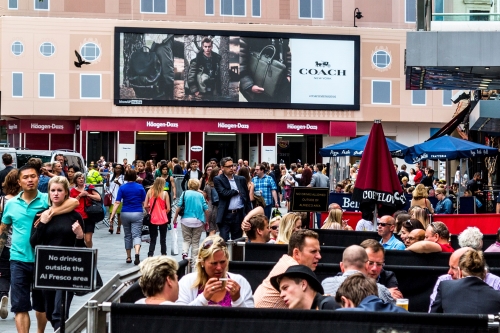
231,224
132,228
153,233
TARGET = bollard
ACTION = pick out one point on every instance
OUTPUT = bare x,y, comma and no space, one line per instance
92,309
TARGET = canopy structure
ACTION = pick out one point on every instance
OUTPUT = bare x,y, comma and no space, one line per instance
355,147
446,148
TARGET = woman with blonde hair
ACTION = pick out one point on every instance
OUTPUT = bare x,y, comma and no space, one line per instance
193,218
420,198
211,283
334,221
421,215
289,223
157,203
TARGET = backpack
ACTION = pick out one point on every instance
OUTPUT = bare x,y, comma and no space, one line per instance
144,73
95,210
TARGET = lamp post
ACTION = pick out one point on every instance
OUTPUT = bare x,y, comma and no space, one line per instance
357,15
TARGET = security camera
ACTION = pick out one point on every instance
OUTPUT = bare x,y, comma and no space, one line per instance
460,95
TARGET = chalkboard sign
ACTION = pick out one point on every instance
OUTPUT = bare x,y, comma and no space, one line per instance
65,268
309,199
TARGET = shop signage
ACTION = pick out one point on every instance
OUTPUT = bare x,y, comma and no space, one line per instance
309,199
196,148
41,126
64,268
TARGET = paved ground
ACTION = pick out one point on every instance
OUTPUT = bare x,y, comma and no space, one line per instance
111,259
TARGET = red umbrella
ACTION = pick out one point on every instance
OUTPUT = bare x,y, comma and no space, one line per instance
377,184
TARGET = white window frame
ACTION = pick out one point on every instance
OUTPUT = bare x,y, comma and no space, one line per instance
39,85
449,100
390,59
100,85
244,14
153,12
16,41
260,8
17,7
47,56
418,104
406,3
312,18
390,92
22,85
213,7
48,5
83,55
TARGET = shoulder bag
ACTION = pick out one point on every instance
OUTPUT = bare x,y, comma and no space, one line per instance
146,220
265,71
183,206
95,210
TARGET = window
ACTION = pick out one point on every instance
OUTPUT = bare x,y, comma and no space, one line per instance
17,84
256,8
90,51
418,97
90,86
381,92
232,7
17,48
381,59
438,8
209,7
46,85
447,97
41,4
410,11
311,9
154,6
12,4
47,49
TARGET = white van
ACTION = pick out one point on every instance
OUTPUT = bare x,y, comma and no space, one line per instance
71,157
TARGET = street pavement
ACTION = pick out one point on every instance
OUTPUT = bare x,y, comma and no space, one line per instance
110,260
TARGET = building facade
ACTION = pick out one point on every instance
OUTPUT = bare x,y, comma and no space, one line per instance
49,103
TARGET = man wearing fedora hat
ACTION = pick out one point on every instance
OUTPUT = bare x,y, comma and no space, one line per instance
300,289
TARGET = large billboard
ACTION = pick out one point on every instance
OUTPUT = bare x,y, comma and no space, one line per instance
236,69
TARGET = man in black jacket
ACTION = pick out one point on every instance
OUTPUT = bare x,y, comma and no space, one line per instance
376,262
192,173
234,200
204,75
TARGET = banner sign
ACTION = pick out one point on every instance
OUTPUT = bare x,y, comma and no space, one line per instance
236,69
64,268
309,199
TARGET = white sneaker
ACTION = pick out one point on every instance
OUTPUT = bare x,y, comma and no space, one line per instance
4,312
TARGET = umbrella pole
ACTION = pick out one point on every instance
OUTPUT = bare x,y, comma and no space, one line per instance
375,214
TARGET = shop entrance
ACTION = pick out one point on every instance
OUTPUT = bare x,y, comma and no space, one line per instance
219,145
151,147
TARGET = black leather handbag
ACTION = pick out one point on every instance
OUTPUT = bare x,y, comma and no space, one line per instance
267,72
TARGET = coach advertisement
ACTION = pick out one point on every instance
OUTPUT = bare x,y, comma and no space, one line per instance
236,69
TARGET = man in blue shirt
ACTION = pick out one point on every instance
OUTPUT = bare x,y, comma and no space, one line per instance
385,229
266,187
20,212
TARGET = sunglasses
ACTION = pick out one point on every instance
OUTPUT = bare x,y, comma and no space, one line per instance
382,224
274,227
210,242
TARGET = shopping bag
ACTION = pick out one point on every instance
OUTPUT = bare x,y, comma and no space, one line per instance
145,236
175,245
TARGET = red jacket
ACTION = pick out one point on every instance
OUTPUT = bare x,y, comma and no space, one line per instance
418,177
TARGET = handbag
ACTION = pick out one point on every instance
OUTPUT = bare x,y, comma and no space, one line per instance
145,236
267,72
146,220
182,207
215,197
95,210
108,199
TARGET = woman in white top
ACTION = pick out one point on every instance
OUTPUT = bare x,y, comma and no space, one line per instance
158,280
115,182
411,177
211,283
